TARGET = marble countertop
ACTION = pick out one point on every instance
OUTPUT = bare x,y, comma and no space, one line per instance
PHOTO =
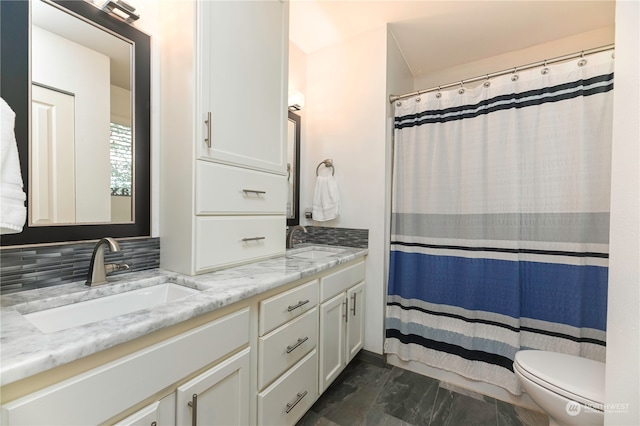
25,350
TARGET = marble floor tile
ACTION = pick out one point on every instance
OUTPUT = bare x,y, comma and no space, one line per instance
511,415
408,396
453,409
370,395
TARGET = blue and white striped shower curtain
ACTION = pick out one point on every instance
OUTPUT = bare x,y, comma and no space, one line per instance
500,221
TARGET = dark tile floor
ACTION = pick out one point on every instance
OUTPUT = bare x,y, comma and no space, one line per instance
366,394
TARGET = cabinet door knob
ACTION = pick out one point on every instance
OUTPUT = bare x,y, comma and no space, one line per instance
291,405
295,345
194,409
297,305
353,308
208,123
254,191
244,240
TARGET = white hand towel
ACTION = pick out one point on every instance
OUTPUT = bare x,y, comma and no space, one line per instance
326,200
12,210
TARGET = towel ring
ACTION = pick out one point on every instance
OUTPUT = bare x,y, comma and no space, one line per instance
327,163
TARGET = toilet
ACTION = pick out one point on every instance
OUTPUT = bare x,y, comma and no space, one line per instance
568,388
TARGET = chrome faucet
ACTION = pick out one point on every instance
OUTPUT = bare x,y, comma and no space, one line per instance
98,271
292,230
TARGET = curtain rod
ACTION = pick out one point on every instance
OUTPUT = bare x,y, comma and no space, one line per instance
393,98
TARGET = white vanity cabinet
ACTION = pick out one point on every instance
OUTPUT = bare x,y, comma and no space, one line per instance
102,393
341,321
287,355
219,396
223,125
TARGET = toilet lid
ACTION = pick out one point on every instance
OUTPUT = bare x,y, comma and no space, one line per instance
571,376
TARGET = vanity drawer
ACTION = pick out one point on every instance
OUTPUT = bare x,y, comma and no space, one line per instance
222,189
285,346
285,306
289,397
228,240
341,280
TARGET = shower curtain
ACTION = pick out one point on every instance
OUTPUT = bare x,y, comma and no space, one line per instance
500,220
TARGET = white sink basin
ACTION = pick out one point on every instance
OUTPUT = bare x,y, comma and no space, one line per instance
313,254
76,314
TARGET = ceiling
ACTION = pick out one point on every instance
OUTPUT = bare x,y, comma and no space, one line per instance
455,32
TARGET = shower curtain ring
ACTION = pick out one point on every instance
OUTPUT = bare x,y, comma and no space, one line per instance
487,83
545,70
438,95
582,62
515,76
461,90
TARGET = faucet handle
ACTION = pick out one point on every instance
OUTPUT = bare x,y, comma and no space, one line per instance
115,267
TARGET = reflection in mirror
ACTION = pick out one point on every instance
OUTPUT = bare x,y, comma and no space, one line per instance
16,84
293,169
81,133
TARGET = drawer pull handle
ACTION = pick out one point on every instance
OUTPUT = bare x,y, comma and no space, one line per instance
154,424
353,308
291,405
244,240
295,345
208,123
194,409
253,191
296,306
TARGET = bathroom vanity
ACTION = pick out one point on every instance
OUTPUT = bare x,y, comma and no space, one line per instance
253,344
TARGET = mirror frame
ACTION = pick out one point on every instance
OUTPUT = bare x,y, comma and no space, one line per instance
296,192
15,82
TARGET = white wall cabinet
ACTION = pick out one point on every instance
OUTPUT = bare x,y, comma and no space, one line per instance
224,133
341,321
244,79
219,396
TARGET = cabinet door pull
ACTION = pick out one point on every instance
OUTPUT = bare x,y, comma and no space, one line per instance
208,123
296,306
253,191
194,409
353,308
346,310
291,405
154,424
244,240
295,345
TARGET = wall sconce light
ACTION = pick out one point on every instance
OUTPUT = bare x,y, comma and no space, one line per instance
296,101
121,9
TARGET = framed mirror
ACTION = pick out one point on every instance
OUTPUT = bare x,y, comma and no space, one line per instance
78,80
293,169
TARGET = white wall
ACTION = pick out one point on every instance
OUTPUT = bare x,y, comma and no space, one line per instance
540,52
623,318
345,115
149,23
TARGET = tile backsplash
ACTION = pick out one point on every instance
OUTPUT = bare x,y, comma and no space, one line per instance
28,268
348,237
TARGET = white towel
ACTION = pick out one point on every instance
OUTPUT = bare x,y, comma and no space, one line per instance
326,200
12,210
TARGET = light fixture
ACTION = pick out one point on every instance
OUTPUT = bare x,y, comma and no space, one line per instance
121,9
296,101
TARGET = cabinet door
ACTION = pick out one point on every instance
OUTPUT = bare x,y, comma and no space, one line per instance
355,321
332,350
148,416
219,396
243,73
